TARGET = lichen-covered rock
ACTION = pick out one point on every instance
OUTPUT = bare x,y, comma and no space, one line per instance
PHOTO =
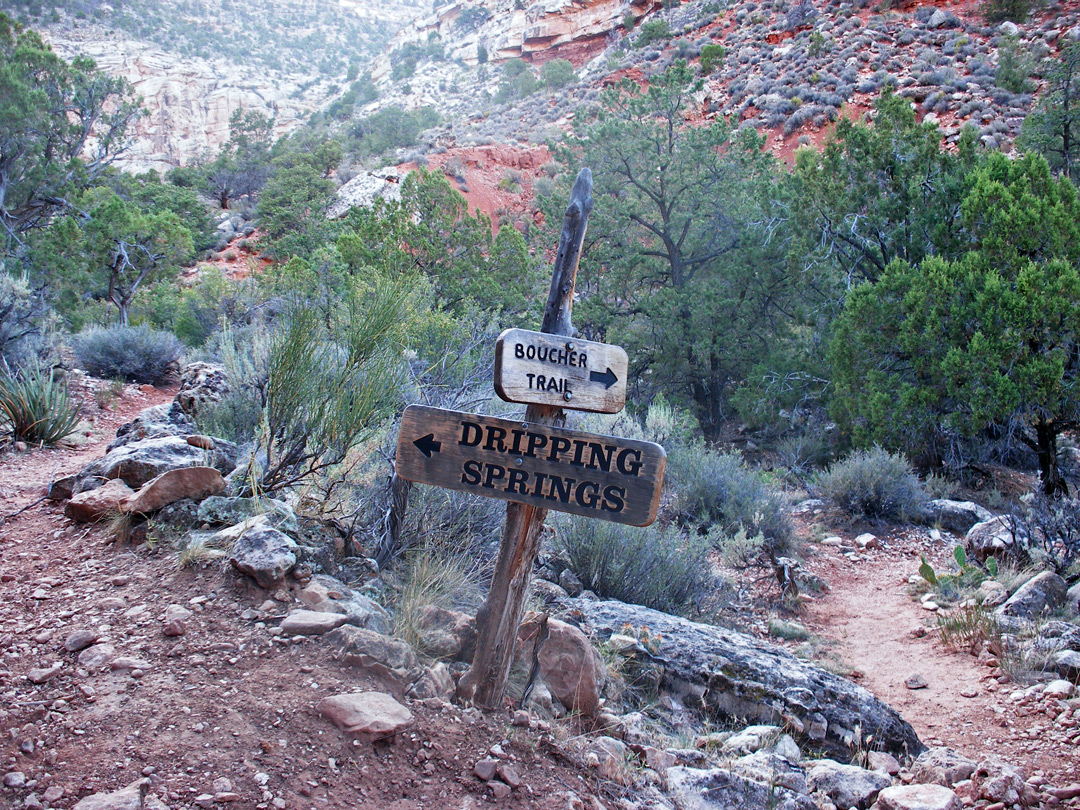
1042,593
723,789
1001,536
847,785
219,510
942,766
956,516
734,675
155,422
201,384
141,461
917,797
265,554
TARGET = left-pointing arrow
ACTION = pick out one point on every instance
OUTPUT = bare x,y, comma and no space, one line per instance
427,445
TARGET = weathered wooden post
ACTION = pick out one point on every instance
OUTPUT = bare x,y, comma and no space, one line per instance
536,464
498,620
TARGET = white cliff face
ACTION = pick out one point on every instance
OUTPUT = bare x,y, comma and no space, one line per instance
190,100
555,28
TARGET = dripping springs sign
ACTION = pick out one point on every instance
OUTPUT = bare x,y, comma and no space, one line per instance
587,474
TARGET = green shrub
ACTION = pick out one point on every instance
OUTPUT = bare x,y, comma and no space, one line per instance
35,407
558,73
712,58
875,484
995,11
658,567
718,488
1014,67
652,31
134,353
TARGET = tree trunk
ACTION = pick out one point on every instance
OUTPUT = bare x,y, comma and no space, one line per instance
1053,483
497,621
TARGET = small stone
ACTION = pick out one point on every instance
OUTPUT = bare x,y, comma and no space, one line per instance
112,603
916,681
486,769
226,796
969,692
205,800
14,779
311,623
53,794
509,774
96,656
867,541
120,580
80,640
43,674
177,613
500,790
918,632
174,628
521,719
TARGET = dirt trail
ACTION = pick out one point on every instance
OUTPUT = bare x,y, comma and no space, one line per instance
871,617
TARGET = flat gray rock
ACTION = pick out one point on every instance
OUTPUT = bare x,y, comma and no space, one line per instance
731,674
847,785
918,797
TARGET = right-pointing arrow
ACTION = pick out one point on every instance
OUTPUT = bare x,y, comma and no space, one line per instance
427,445
608,378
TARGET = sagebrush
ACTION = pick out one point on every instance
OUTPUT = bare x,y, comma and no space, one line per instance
133,353
874,483
658,567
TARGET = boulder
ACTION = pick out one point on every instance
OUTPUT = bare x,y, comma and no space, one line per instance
750,739
96,504
731,674
917,797
201,384
447,634
847,785
1042,593
723,789
771,768
1001,537
570,666
942,19
1072,599
328,595
1066,663
132,797
435,682
311,623
62,488
195,483
265,554
956,516
942,766
381,655
570,582
369,716
141,461
156,422
1009,29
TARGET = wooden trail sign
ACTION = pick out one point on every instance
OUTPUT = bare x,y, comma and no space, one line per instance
534,367
587,474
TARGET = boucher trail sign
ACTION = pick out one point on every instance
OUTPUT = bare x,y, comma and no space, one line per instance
534,367
588,474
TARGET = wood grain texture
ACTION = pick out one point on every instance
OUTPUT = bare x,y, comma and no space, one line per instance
582,375
602,477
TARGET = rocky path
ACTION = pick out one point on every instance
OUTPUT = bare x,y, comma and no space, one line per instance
119,667
886,637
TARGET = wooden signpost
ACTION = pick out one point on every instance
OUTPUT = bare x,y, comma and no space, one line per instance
533,367
553,468
536,464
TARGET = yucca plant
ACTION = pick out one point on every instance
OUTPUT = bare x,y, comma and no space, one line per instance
36,407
